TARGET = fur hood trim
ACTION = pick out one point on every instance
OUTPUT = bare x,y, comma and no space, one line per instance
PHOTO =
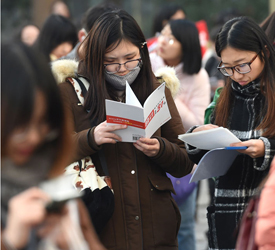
68,68
62,69
168,75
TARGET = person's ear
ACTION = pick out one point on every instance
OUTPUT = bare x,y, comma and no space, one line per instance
267,51
164,22
81,35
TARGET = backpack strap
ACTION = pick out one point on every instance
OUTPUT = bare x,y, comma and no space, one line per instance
81,86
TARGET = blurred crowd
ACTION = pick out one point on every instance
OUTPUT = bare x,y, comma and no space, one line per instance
55,80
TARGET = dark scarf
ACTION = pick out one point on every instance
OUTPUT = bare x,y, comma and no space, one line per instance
251,89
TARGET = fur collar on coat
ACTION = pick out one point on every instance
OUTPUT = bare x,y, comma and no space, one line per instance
63,69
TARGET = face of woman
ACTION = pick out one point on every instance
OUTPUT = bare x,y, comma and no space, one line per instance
232,57
178,15
62,50
124,52
169,48
24,141
29,34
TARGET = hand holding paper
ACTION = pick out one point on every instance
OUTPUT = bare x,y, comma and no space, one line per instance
105,134
210,139
141,121
218,160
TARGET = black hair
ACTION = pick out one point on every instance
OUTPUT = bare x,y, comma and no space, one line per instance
186,33
268,25
242,33
108,31
24,72
165,13
55,31
92,14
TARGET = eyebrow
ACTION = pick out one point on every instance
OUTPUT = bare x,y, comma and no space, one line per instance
237,61
130,54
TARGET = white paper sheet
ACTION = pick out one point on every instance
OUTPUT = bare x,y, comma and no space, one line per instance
210,139
214,163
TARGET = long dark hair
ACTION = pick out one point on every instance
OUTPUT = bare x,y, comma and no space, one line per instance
243,33
24,72
55,31
107,33
165,12
187,34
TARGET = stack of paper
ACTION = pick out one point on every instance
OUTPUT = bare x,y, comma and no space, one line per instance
218,160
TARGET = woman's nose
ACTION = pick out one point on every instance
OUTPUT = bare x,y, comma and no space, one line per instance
162,40
122,68
237,75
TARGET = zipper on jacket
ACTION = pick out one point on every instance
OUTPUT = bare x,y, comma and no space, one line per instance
138,197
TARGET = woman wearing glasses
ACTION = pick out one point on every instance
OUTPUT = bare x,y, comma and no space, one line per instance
179,47
246,107
145,215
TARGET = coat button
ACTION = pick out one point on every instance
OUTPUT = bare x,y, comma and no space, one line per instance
137,218
157,186
133,172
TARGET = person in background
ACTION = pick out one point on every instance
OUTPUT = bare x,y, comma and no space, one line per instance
246,107
167,12
27,34
265,225
88,20
36,147
268,25
57,37
179,47
145,215
59,7
210,61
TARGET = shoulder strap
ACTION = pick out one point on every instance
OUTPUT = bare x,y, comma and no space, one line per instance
81,86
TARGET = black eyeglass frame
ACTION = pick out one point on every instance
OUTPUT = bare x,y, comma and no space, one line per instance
119,65
235,67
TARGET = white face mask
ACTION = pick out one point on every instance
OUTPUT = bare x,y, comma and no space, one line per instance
119,82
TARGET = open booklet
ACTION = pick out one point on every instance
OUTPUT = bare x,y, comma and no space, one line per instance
141,121
218,160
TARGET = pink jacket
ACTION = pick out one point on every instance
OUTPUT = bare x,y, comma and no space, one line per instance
265,225
193,96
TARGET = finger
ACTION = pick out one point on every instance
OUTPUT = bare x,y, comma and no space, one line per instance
138,147
205,127
236,144
35,193
112,136
108,140
148,141
115,127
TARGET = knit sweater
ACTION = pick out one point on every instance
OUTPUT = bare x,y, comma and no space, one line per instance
237,186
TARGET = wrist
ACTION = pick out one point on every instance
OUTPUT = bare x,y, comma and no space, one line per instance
15,238
6,243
